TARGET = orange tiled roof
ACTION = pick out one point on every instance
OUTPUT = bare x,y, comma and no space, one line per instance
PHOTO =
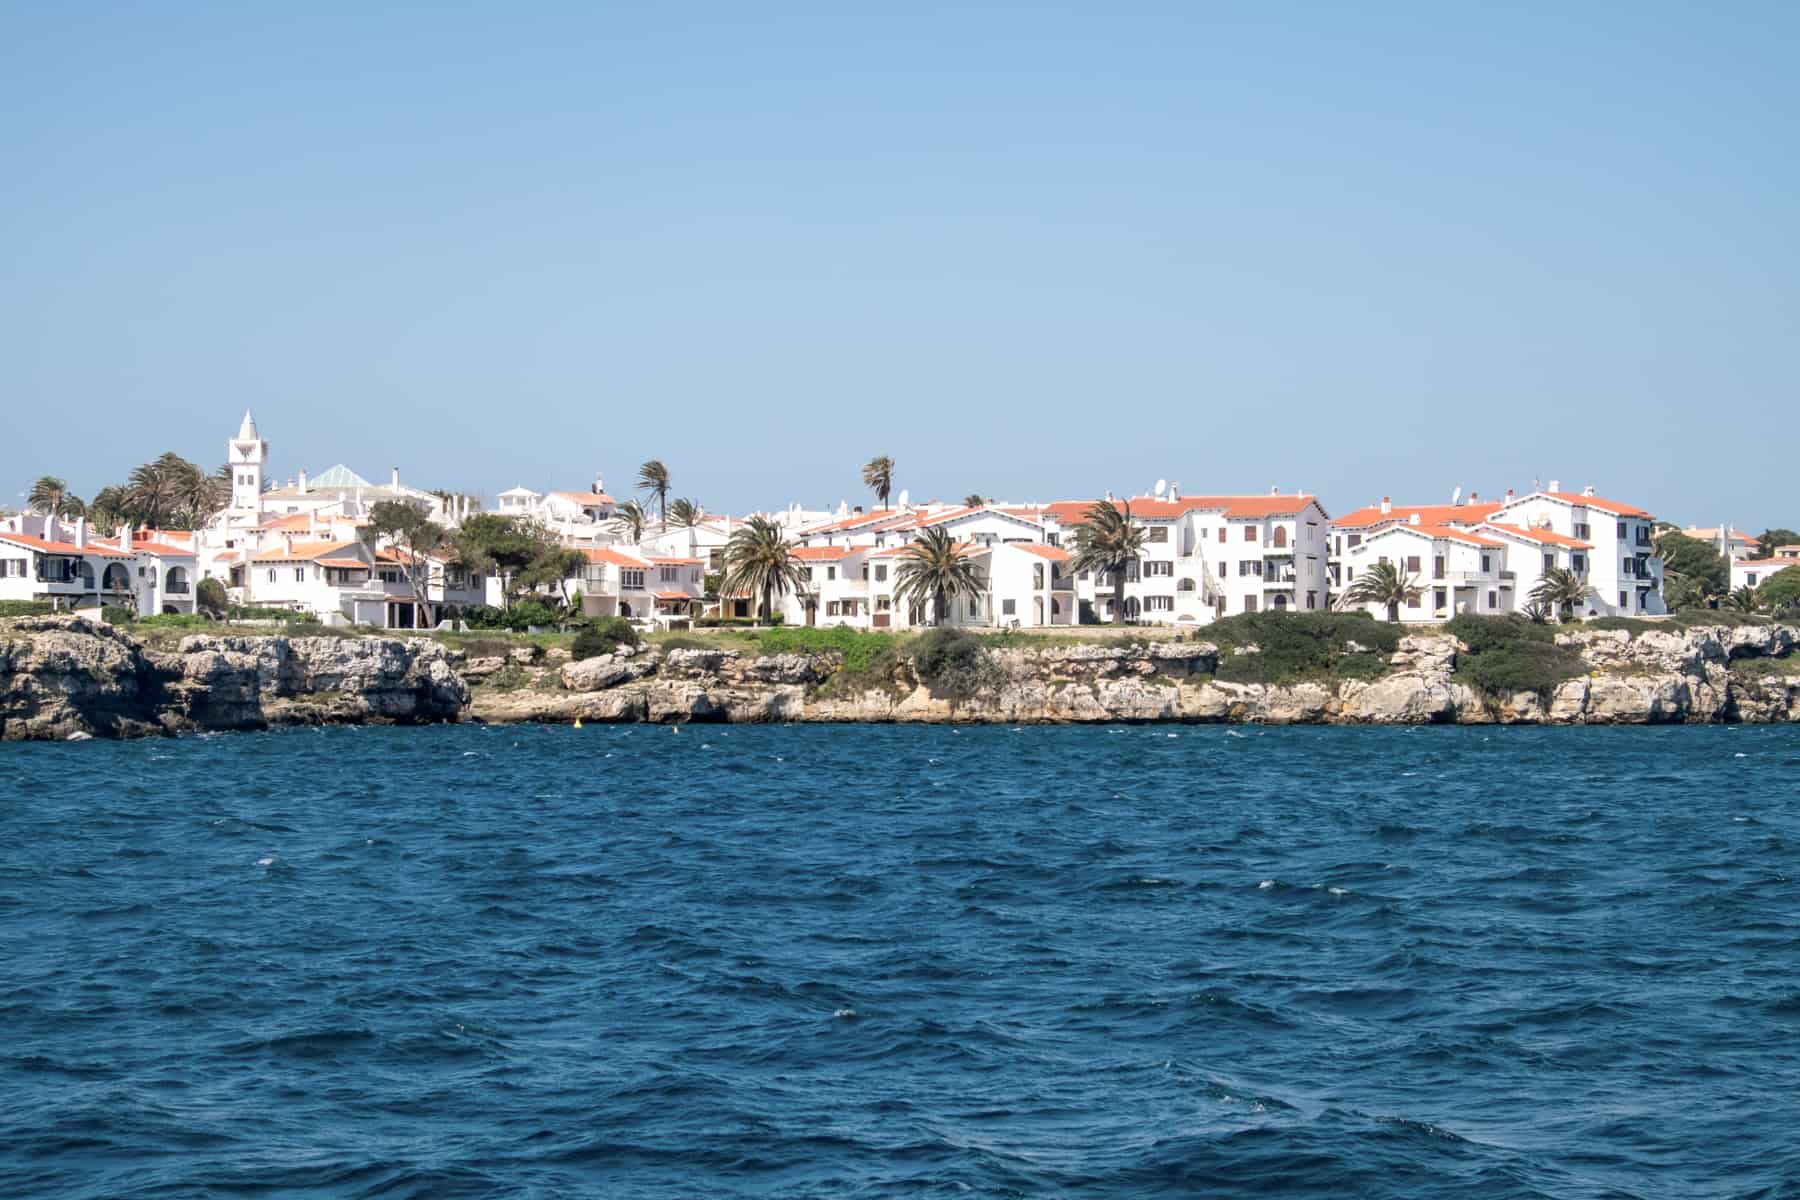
1042,550
38,543
822,553
1437,532
1473,513
586,499
962,548
673,596
1615,507
677,562
303,552
1239,508
1548,537
606,554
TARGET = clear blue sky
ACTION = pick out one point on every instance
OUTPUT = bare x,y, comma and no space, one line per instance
1032,250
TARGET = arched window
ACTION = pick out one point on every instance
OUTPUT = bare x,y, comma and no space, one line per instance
117,578
87,575
176,581
1186,585
1280,600
1280,538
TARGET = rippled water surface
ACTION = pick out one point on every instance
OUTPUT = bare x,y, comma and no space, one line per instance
820,961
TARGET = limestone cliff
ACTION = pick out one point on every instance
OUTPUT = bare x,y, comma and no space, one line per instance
61,677
64,676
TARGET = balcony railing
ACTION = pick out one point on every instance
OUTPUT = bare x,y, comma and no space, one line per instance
178,589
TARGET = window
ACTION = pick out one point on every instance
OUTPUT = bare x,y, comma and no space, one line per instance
1158,533
12,568
1280,538
1412,563
1549,561
830,572
1249,533
881,573
1037,575
1009,608
1628,567
1579,562
1623,602
1356,539
271,573
1437,567
974,607
1249,603
1750,578
1186,585
1493,599
1439,598
1487,563
1312,600
300,574
1621,531
669,575
1415,600
1221,533
1159,604
633,580
1250,566
1584,531
1054,539
1153,567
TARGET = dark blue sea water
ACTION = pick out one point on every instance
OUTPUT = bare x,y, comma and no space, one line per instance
874,962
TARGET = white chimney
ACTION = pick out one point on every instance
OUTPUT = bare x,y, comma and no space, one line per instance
1588,490
287,542
303,483
312,523
1413,520
1556,485
125,538
395,477
1174,491
81,533
1274,490
599,484
1509,495
1387,504
1474,496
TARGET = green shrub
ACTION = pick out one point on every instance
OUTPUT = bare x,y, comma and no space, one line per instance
209,594
734,622
255,612
484,616
951,663
527,613
25,608
1296,646
1511,654
869,658
602,635
117,614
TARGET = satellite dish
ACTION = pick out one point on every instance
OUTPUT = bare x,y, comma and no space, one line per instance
1162,485
1456,496
903,497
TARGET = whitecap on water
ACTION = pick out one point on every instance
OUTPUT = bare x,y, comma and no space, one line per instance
265,862
1265,885
1740,754
1338,891
841,1013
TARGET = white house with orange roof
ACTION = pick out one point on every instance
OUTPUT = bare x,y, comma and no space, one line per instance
619,581
1209,556
1625,572
45,558
1455,570
836,590
1023,584
1754,572
1732,543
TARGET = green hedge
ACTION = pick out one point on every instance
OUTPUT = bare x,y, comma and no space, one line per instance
1296,646
1511,654
25,608
602,635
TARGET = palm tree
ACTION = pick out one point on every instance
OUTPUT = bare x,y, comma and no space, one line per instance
974,500
1561,589
1742,600
653,477
51,495
878,473
199,494
685,513
1383,583
629,519
1106,543
759,562
150,493
935,568
107,510
1537,614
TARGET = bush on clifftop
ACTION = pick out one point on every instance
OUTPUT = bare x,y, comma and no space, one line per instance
1303,645
1511,654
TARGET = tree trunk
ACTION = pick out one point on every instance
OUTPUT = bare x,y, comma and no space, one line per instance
1119,596
1393,612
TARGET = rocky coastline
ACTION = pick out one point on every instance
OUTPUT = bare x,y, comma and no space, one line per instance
63,677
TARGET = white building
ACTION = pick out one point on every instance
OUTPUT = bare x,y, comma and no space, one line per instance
1624,570
1456,570
619,582
46,559
1732,543
1754,572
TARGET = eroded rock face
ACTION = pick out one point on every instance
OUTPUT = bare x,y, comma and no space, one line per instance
605,671
62,675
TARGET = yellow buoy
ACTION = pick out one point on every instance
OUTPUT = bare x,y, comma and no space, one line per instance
578,722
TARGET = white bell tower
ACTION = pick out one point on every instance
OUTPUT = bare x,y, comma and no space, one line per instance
248,454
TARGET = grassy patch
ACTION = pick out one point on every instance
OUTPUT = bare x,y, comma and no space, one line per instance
1298,646
868,658
1765,668
1510,654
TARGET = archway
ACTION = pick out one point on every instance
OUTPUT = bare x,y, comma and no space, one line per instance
175,582
116,578
87,576
1280,600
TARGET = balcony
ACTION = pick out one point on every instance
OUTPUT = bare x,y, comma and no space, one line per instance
178,589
